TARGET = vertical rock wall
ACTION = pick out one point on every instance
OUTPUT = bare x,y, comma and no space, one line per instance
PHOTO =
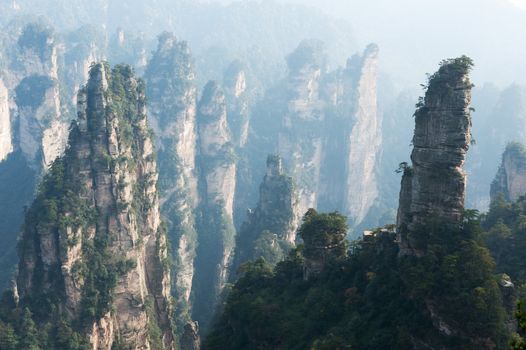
510,180
108,222
364,139
331,134
433,188
270,229
6,145
217,171
172,106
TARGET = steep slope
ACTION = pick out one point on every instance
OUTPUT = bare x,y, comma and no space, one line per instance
42,132
172,105
33,131
6,145
510,180
438,238
93,251
434,186
508,106
429,284
330,135
217,173
270,229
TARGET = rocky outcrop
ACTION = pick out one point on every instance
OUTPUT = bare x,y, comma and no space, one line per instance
81,49
190,339
270,229
364,138
330,135
42,76
172,105
42,133
42,130
301,140
235,86
433,188
6,145
217,172
510,180
92,244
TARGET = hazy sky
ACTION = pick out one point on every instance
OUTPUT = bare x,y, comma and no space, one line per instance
414,35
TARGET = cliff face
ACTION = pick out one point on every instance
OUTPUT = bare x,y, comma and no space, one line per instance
217,171
80,49
235,86
434,187
190,339
364,138
508,106
6,145
270,229
92,244
330,131
172,105
33,131
510,180
42,132
300,140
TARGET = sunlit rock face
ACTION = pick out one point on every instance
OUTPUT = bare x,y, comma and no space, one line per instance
217,186
433,188
510,181
97,212
172,96
236,90
331,131
42,131
6,145
43,72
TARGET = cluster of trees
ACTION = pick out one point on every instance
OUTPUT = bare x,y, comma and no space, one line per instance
367,296
21,330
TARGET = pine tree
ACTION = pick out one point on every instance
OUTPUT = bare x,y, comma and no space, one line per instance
28,332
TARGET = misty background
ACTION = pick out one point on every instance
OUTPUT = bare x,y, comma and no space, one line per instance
413,37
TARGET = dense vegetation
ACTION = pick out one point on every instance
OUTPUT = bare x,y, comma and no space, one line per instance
17,184
367,297
37,320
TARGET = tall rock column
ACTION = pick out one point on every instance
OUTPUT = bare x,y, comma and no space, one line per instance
42,130
364,139
172,105
6,145
235,86
330,135
33,130
93,246
433,188
510,181
270,229
217,171
300,140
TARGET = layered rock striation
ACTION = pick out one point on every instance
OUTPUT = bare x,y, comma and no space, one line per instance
433,187
93,248
510,181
